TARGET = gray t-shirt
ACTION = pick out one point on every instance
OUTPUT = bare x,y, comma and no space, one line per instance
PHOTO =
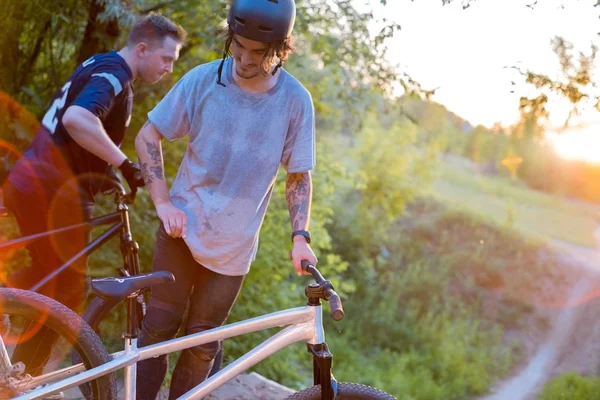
237,140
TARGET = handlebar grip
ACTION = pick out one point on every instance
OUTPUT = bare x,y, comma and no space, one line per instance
311,269
335,305
305,264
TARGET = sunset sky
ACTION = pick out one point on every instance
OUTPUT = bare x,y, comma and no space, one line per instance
465,52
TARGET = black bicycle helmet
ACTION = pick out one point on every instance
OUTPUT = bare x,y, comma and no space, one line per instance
262,20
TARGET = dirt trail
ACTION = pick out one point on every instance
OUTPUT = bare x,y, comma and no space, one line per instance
573,341
536,371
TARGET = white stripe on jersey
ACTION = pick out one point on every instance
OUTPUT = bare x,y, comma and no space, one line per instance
113,81
89,61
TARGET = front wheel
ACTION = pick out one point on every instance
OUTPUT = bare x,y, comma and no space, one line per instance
346,391
37,334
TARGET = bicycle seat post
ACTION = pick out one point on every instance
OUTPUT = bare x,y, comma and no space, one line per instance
131,263
131,266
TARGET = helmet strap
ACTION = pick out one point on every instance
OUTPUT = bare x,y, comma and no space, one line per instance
279,65
225,54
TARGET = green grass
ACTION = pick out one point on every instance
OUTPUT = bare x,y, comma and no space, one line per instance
510,203
573,387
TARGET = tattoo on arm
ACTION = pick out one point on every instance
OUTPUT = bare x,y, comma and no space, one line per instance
298,194
146,174
154,151
158,172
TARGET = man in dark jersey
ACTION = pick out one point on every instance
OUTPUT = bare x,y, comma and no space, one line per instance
53,184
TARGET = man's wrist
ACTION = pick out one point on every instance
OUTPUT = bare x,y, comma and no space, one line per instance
126,163
301,235
121,160
161,202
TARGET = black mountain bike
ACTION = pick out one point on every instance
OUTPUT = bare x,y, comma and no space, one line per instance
101,306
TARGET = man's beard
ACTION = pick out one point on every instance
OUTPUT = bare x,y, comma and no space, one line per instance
246,74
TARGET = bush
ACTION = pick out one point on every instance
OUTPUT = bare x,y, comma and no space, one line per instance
573,387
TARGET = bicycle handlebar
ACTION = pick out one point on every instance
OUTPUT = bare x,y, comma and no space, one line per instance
122,197
337,311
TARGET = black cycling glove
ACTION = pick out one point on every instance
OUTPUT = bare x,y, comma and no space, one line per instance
132,174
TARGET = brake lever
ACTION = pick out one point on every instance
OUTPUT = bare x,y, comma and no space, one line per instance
130,197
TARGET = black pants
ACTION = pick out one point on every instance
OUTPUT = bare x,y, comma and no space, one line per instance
208,298
38,211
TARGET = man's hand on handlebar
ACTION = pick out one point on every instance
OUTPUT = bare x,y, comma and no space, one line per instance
132,174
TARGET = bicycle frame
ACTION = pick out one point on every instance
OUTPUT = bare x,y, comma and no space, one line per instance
129,250
120,224
114,218
303,324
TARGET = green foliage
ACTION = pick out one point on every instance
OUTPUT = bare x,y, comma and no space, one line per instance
573,387
434,328
385,171
423,276
38,49
342,64
454,360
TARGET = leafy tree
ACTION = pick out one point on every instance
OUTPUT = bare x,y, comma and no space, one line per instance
574,85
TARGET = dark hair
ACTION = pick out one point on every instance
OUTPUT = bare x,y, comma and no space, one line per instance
154,28
279,50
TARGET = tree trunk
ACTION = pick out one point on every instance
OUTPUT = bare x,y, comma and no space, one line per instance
99,37
25,70
12,26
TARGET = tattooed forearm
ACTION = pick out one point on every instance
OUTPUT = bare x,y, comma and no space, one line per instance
298,194
149,150
146,174
154,151
158,172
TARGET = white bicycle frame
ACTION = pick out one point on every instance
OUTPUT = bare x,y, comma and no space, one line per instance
303,324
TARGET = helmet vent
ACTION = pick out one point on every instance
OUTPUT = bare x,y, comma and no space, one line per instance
240,21
274,1
264,28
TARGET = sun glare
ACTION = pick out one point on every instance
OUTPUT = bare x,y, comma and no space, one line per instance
581,144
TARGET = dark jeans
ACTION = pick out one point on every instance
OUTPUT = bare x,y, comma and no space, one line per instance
38,211
208,298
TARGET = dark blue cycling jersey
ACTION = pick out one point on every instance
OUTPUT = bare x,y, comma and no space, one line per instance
103,85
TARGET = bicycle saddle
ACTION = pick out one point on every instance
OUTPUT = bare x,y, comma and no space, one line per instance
120,288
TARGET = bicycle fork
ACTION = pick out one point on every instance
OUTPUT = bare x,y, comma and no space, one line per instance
322,361
322,358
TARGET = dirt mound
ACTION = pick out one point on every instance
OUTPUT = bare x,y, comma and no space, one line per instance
572,341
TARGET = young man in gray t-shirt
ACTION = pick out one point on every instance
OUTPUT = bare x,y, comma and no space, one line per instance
244,117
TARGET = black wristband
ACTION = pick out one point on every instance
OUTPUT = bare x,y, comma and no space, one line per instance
306,235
